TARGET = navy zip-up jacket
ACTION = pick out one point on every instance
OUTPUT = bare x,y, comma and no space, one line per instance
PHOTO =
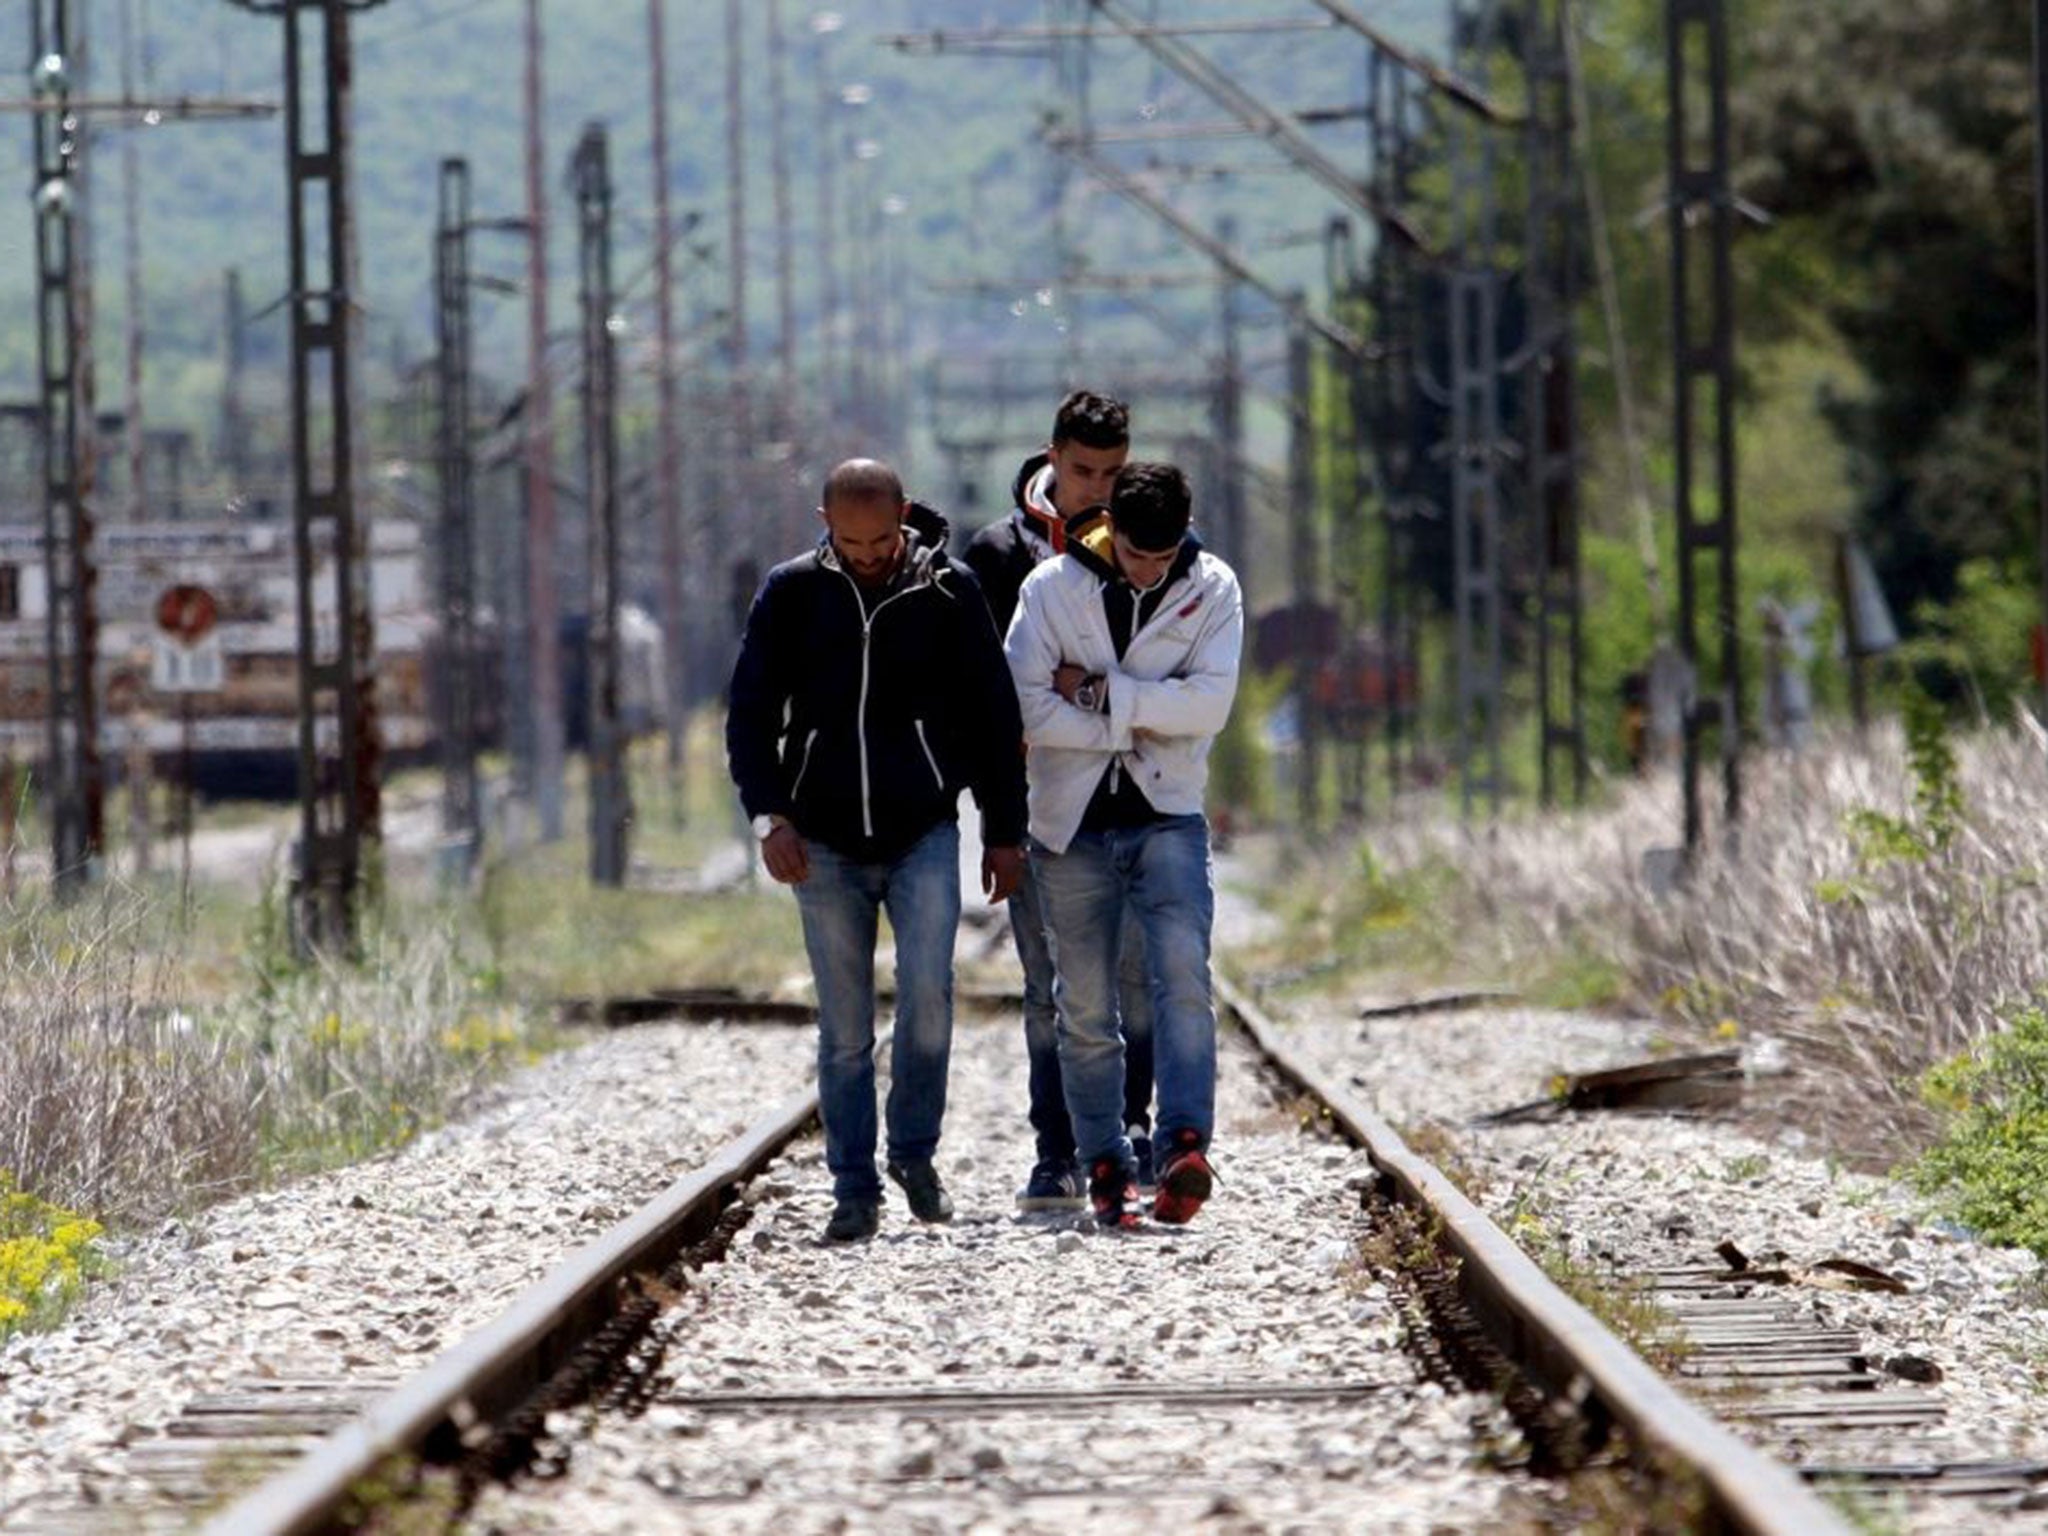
861,715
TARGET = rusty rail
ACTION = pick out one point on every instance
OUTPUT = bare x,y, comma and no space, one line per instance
480,1378
1562,1344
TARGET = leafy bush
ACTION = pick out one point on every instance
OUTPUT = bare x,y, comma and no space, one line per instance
1990,1166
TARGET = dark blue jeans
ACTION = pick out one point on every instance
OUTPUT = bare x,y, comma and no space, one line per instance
841,903
1050,1123
1160,873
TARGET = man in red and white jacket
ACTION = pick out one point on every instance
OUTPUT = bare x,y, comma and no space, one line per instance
1125,651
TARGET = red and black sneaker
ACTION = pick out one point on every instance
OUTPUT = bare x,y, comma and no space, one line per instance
1185,1178
1113,1193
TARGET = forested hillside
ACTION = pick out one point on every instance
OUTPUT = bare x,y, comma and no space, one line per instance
1884,299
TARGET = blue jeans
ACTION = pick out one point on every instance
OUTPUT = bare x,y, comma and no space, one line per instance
841,903
1161,873
1050,1124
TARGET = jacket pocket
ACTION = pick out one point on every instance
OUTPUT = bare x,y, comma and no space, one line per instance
931,762
804,766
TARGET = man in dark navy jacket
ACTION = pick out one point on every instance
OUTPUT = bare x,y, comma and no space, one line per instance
870,690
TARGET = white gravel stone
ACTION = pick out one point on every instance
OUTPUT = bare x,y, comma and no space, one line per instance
1629,1193
365,1273
1263,1287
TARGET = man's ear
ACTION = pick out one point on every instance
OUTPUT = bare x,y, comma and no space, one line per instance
903,512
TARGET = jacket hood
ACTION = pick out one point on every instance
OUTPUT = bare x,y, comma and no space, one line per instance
925,531
1088,535
1032,492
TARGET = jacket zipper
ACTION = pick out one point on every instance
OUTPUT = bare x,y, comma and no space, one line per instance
805,766
867,635
931,762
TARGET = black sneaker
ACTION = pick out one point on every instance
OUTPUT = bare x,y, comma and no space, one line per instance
1113,1194
921,1187
853,1218
1141,1151
1055,1185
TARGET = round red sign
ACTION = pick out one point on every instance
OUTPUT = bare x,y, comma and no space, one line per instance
186,611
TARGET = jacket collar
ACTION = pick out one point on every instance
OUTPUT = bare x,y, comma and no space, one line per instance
1088,536
1032,491
924,555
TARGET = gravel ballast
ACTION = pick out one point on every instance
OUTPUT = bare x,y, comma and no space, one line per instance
1623,1194
363,1274
1263,1288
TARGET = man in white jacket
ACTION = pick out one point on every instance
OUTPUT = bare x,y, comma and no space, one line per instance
1125,650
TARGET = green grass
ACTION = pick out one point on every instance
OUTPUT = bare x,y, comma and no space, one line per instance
1989,1167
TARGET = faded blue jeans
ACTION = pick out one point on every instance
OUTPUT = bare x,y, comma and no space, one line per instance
841,902
1161,873
1050,1125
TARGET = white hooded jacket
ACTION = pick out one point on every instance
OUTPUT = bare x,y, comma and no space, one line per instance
1165,701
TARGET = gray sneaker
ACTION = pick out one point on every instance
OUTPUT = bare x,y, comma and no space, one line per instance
1055,1185
921,1187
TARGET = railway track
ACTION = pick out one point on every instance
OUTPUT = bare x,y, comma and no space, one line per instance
1264,1364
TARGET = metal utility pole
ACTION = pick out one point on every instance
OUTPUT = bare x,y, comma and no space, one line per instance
64,370
1227,412
610,795
543,605
1702,216
131,236
741,441
461,821
1302,563
1549,392
2041,332
668,501
1350,495
1474,293
826,161
339,755
785,238
234,429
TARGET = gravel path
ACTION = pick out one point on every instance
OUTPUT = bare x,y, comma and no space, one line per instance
1628,1193
365,1273
1263,1288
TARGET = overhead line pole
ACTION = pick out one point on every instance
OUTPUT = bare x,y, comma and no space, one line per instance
610,793
668,501
339,739
65,420
1703,362
785,243
1550,405
461,823
543,596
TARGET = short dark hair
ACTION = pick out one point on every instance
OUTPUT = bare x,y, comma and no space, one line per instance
1151,505
863,479
1092,420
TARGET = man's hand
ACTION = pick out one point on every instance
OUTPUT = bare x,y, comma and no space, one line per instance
1066,677
1002,870
783,852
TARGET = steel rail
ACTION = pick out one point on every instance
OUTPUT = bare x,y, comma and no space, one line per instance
1570,1352
488,1372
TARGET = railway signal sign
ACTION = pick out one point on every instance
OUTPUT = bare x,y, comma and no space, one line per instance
186,613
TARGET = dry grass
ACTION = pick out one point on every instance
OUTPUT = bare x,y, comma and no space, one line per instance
1870,965
121,1097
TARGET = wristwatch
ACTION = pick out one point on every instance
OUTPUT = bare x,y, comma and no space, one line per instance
763,825
1088,695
